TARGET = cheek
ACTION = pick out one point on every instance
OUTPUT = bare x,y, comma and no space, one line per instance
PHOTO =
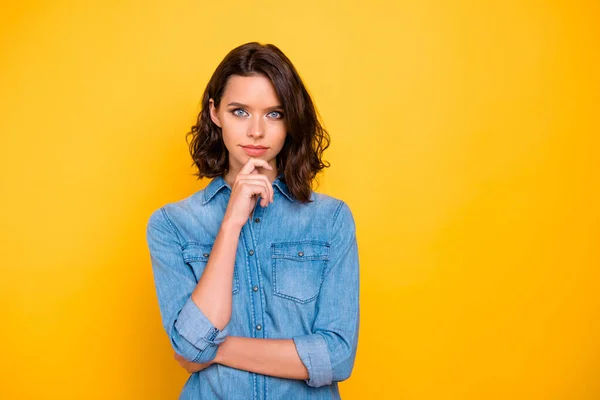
232,130
231,124
278,134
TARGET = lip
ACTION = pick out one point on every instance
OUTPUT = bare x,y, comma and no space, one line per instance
255,150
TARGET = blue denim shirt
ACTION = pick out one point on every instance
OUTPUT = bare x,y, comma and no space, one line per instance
296,276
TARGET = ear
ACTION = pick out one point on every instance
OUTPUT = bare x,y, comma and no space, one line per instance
213,113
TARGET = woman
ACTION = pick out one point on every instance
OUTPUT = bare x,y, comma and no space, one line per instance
257,276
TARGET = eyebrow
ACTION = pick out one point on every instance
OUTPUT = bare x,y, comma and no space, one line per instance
236,104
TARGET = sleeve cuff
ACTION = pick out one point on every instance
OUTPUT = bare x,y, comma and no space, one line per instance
193,325
313,352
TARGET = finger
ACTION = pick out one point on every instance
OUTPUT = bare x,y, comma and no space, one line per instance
270,191
260,189
256,188
260,180
252,164
255,179
253,176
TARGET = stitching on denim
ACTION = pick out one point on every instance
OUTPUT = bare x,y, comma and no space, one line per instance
295,257
325,268
274,275
250,278
290,256
283,191
209,195
197,358
236,287
258,271
335,216
248,274
254,375
328,353
304,259
236,278
261,297
344,355
311,364
285,296
175,230
347,249
196,244
337,212
212,334
189,246
197,251
306,241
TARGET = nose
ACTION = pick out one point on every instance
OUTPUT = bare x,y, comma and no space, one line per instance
256,128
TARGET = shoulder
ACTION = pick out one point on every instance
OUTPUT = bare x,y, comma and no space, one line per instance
324,200
177,209
337,218
337,209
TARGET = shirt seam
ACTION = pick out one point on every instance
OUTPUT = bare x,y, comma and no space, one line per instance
172,226
337,212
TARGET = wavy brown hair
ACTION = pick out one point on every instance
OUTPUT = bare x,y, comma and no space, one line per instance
299,160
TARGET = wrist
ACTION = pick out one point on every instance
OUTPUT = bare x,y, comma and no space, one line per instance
227,225
220,357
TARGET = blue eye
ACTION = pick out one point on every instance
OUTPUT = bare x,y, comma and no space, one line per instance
235,112
276,112
240,112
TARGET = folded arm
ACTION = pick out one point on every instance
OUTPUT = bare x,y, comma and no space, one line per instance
275,357
195,325
328,353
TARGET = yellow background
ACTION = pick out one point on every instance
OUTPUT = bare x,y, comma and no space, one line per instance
464,138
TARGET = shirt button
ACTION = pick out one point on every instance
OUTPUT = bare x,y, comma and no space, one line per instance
300,253
205,254
251,252
257,220
255,289
258,327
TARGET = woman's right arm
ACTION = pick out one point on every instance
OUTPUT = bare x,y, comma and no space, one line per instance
196,315
213,292
192,334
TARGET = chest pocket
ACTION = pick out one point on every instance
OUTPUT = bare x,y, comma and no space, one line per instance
298,269
196,255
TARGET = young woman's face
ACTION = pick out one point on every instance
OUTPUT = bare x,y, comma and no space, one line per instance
251,118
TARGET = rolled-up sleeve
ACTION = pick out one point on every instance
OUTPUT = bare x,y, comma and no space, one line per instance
328,353
192,335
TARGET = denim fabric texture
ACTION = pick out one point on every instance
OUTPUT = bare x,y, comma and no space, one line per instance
296,276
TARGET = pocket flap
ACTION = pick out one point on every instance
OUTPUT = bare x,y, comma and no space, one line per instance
303,250
196,252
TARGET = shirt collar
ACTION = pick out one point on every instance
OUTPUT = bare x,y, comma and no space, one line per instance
280,184
218,183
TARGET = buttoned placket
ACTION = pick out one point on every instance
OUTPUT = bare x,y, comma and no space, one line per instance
251,236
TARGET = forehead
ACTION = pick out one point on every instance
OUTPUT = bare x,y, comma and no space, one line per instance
256,91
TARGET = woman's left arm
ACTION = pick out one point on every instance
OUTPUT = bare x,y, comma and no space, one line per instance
327,354
330,350
275,357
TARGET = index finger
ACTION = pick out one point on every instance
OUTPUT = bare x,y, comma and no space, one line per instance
252,164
